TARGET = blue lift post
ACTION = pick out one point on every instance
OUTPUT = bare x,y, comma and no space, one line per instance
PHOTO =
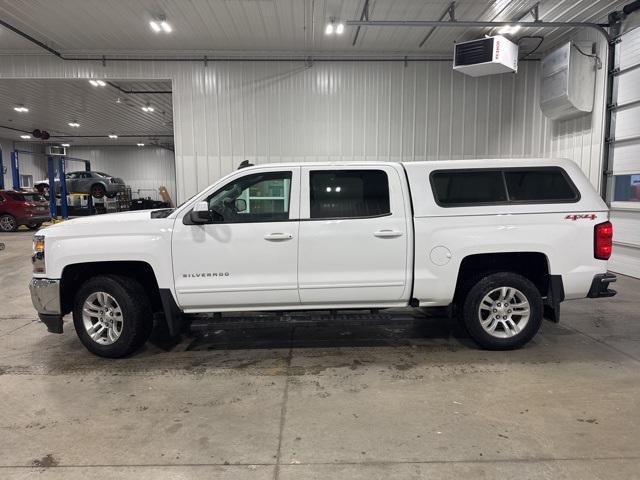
64,209
15,170
1,171
51,172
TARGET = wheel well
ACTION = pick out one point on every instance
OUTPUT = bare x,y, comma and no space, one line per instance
531,265
75,275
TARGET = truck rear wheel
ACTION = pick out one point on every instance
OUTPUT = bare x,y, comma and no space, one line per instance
502,311
112,316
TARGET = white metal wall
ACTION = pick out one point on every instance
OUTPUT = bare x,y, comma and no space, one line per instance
279,111
144,169
626,153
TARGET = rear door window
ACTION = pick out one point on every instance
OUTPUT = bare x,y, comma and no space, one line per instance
348,193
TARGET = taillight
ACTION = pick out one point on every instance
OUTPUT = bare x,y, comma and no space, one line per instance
603,241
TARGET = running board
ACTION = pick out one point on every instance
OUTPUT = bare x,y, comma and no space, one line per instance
202,322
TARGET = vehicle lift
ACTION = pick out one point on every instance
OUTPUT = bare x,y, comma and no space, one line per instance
51,174
1,171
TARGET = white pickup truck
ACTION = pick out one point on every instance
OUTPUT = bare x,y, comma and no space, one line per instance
503,242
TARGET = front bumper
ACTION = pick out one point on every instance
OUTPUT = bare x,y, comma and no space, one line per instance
45,296
600,286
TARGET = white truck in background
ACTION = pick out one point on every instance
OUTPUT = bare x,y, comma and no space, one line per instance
504,241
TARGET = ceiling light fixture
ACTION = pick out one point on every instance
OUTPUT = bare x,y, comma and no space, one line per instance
332,27
25,137
148,108
140,144
21,109
97,83
74,124
509,29
113,135
160,24
65,145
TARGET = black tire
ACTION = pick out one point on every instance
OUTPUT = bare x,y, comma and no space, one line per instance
8,223
34,226
136,313
482,287
98,190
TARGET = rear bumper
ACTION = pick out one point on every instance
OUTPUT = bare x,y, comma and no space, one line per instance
45,296
600,286
40,218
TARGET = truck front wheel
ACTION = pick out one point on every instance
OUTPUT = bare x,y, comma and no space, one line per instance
502,311
112,316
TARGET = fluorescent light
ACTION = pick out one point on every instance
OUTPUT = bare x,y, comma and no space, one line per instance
65,145
21,109
148,108
340,28
97,83
509,29
93,82
25,137
154,26
74,124
113,135
101,83
165,26
328,29
140,144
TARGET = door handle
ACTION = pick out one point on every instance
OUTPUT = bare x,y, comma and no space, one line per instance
388,233
274,237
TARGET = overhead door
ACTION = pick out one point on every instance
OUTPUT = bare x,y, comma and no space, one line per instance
625,157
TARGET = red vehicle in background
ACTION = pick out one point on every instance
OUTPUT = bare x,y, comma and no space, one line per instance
22,208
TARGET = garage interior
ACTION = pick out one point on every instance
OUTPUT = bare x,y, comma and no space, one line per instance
269,81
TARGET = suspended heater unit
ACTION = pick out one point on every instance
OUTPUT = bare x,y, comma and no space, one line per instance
486,56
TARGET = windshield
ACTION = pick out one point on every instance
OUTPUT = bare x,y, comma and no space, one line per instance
27,197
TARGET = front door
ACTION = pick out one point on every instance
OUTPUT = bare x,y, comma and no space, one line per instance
354,237
246,258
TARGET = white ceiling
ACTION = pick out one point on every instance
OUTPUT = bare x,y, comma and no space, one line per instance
53,104
262,27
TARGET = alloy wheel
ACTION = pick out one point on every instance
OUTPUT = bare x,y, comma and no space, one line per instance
504,312
102,318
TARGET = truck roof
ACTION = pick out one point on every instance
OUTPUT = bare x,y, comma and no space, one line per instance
433,164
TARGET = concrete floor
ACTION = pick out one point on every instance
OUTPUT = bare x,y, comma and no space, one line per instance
410,399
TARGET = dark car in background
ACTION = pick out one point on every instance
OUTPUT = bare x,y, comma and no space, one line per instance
96,184
22,208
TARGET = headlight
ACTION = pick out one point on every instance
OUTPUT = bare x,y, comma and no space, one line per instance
38,254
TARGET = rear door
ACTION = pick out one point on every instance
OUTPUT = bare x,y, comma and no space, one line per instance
354,236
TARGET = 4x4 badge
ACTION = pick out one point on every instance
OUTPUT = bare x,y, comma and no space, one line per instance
582,216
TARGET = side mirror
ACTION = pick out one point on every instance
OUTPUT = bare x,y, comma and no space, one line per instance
240,204
200,213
